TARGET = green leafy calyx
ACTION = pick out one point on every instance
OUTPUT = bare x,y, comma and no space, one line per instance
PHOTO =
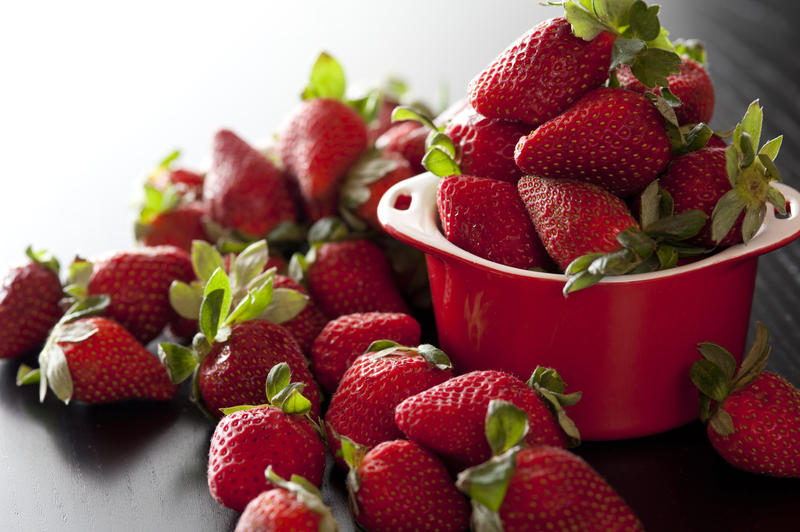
550,387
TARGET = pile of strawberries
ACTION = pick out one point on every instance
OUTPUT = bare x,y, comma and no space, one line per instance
585,150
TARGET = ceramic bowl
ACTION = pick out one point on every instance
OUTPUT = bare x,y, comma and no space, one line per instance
627,343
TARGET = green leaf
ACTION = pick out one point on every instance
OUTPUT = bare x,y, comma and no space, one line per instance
772,147
295,402
753,218
637,241
54,372
648,205
487,483
691,48
584,24
580,281
667,257
722,423
667,95
80,271
249,264
653,65
328,229
756,358
279,377
662,42
91,306
644,21
725,214
169,159
710,379
666,205
719,356
771,170
439,162
777,199
238,408
44,258
434,356
547,378
381,345
27,375
437,138
618,12
368,105
74,332
403,112
186,299
625,51
615,263
219,281
732,163
253,304
751,124
205,260
298,266
286,304
180,361
506,425
210,313
747,150
327,79
287,232
581,263
698,137
679,226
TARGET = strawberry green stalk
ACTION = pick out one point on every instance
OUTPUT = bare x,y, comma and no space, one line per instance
440,151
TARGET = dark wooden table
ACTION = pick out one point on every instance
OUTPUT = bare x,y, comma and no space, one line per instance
142,466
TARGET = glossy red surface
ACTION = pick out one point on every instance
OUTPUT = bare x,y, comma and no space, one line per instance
626,344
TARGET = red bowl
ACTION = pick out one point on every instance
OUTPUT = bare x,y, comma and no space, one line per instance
627,343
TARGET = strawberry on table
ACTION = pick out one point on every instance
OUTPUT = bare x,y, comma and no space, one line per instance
250,438
293,505
347,337
399,486
138,281
29,304
245,191
95,360
731,185
540,487
541,73
322,138
753,415
362,408
449,418
613,138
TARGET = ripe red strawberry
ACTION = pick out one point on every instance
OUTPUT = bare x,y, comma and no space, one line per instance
539,487
29,305
614,138
486,145
691,85
318,142
308,323
753,415
366,182
399,486
352,276
294,505
345,338
574,218
541,73
487,218
244,190
233,371
178,227
698,180
249,439
407,139
95,360
449,418
138,283
362,408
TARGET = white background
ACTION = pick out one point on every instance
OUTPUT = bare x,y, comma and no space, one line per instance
93,94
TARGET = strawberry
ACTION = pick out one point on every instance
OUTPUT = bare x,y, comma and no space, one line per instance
178,226
362,408
407,139
541,73
244,190
574,218
366,182
691,85
240,338
184,183
294,505
614,138
449,418
95,360
29,304
308,323
399,486
485,146
487,218
753,415
138,282
342,340
539,487
250,438
732,185
318,142
347,277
